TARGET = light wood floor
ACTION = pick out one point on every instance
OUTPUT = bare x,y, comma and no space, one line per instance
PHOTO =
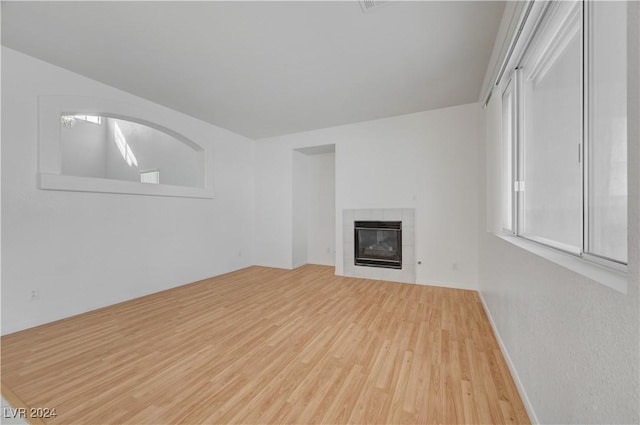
265,345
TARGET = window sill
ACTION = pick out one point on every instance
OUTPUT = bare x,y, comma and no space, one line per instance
90,184
606,276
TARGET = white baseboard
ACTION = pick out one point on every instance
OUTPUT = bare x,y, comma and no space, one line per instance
523,394
448,285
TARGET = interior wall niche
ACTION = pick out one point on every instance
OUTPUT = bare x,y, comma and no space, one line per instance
313,209
98,145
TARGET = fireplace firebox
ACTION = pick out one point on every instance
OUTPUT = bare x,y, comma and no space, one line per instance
378,244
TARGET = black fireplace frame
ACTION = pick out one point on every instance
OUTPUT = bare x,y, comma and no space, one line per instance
377,262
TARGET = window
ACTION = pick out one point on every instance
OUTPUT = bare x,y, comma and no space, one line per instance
564,133
550,78
70,120
606,210
88,144
151,176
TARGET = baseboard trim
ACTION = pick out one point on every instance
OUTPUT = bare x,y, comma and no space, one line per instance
516,379
442,284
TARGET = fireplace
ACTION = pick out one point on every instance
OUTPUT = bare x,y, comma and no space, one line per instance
378,244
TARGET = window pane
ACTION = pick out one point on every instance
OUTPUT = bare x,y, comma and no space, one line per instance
552,96
607,177
507,159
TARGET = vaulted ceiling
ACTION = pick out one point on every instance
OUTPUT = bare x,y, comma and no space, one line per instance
268,68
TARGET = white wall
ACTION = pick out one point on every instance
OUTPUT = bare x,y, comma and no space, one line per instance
574,343
313,215
321,219
88,250
300,182
426,161
1,174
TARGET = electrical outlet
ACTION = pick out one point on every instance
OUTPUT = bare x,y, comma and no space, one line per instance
35,294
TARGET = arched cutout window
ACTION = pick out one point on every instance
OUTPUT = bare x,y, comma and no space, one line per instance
105,146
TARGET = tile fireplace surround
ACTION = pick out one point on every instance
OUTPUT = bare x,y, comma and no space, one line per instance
407,215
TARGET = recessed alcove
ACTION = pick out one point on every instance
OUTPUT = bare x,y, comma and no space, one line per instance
313,208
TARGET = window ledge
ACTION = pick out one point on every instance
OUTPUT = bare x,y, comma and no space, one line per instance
607,276
90,184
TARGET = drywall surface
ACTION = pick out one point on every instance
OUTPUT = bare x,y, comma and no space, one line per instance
273,206
300,183
81,250
426,161
1,172
573,343
321,219
313,179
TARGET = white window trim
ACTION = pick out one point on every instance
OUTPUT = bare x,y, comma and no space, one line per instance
607,272
92,184
50,176
507,155
603,274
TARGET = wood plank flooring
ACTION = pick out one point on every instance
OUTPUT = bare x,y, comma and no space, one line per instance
266,346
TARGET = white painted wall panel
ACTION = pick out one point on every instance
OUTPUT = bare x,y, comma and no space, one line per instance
300,182
88,250
426,161
321,219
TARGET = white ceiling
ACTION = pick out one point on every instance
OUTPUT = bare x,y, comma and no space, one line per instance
268,68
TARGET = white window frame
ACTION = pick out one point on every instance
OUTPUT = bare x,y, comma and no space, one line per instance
611,272
507,157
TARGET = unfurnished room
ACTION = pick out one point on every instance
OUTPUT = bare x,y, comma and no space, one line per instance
320,212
